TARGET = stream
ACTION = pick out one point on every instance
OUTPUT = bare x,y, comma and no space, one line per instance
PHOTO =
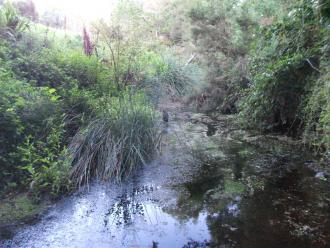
212,185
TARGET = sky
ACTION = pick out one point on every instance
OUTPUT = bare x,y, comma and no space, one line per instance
86,9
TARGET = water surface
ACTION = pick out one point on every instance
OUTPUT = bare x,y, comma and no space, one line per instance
210,187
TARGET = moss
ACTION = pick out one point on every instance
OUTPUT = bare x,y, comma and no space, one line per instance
233,187
229,191
19,208
244,153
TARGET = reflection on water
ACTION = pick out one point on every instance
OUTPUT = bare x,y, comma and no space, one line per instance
256,194
95,220
211,130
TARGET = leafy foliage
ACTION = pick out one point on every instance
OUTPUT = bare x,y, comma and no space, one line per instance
222,45
290,76
11,23
25,111
316,112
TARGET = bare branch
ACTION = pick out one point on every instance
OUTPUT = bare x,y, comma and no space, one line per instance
310,63
190,59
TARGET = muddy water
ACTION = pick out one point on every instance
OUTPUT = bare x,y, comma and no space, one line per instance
209,187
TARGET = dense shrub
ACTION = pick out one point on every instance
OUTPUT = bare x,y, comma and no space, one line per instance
222,43
47,163
171,78
48,91
86,70
316,112
58,68
25,111
290,91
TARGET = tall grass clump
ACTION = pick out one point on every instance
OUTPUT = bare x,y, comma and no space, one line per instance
124,136
172,79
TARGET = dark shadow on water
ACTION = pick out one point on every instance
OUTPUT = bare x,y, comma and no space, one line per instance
256,199
6,233
286,213
197,244
211,130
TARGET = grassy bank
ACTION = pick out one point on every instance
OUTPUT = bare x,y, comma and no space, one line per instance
70,116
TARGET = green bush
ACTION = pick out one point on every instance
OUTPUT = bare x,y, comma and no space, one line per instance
290,76
284,67
87,71
40,70
50,90
59,68
222,36
316,112
24,111
47,163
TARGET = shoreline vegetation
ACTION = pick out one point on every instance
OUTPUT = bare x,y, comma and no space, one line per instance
78,108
